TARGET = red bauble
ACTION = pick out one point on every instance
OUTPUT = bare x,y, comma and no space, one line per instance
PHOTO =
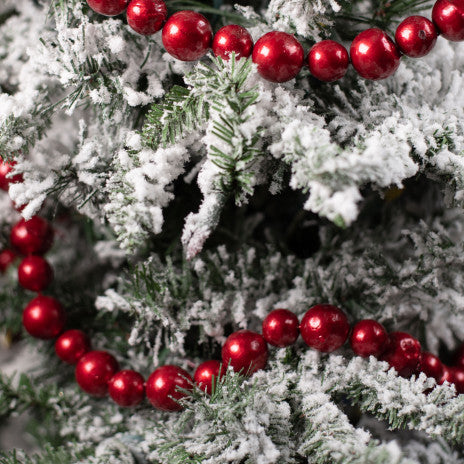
447,375
34,273
279,56
34,236
459,356
328,60
162,387
245,351
187,35
457,377
6,258
281,328
5,180
108,7
44,317
369,338
94,370
232,38
126,388
431,366
72,345
374,55
324,327
403,353
416,36
205,372
146,16
448,16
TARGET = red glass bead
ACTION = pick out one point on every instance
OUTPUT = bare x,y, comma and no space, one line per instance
416,36
205,373
459,356
108,7
232,38
448,16
369,338
94,370
447,375
431,366
457,377
328,60
403,353
324,327
72,345
146,16
44,317
34,236
5,180
126,388
162,387
34,273
245,351
279,56
6,258
187,35
281,328
374,55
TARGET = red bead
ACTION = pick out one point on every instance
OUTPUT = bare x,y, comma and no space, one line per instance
416,36
34,273
369,338
281,328
447,375
403,353
94,370
232,38
126,388
457,377
146,16
108,7
459,356
44,317
431,366
448,16
72,345
325,328
205,373
5,180
328,60
6,258
279,56
374,55
187,35
162,387
34,236
245,351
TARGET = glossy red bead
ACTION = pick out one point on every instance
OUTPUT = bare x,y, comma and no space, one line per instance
207,373
187,35
368,338
324,327
162,387
374,55
94,370
44,317
328,60
108,7
431,366
126,388
279,56
146,17
403,353
447,375
6,258
5,179
281,328
416,36
457,377
71,345
448,16
34,236
232,38
34,273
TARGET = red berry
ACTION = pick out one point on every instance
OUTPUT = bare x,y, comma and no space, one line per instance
43,317
245,351
459,356
374,55
281,328
187,35
328,60
5,180
146,16
34,273
457,377
403,353
232,38
108,7
279,56
448,16
431,366
72,345
369,338
94,370
34,236
205,372
416,36
6,258
126,388
325,328
447,375
162,387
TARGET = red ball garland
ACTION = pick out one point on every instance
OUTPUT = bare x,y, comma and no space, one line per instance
44,317
448,16
369,338
34,273
431,366
328,61
146,16
72,345
126,388
403,353
457,377
208,373
34,236
6,258
232,38
5,180
281,328
108,7
416,36
447,375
